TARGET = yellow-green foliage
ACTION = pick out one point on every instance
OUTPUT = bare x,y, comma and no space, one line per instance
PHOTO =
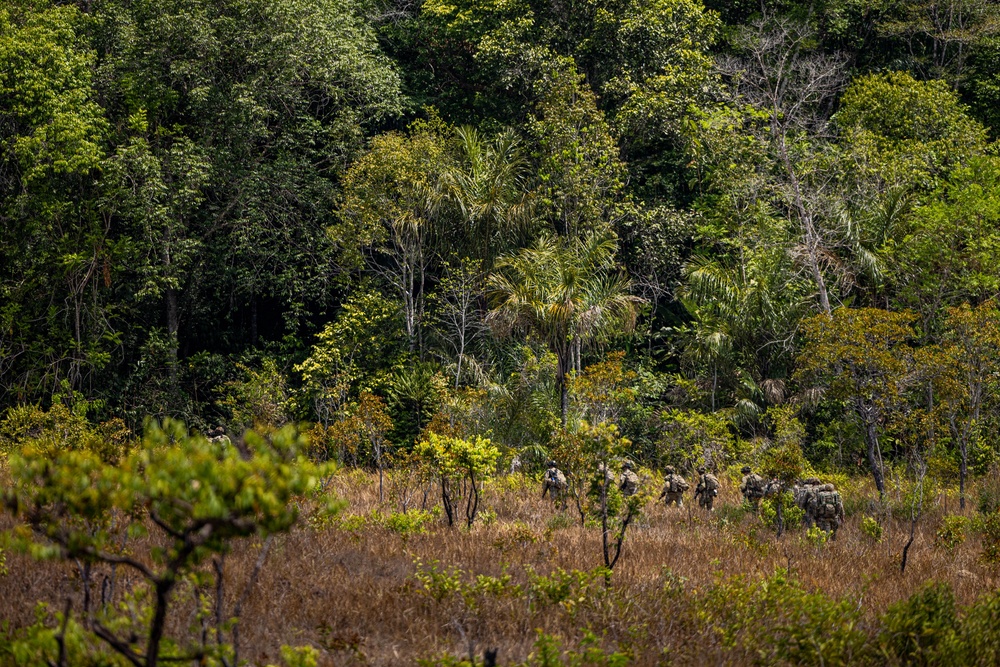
60,428
198,495
299,656
456,457
951,532
872,528
692,438
258,400
989,528
920,630
776,619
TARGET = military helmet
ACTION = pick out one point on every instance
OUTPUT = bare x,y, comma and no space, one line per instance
628,464
669,470
701,469
551,464
811,481
745,470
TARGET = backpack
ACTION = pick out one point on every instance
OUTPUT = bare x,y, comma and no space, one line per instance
825,504
711,484
755,486
677,484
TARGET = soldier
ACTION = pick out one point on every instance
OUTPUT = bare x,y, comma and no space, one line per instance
603,471
707,489
218,435
825,508
629,483
802,492
674,487
554,484
752,487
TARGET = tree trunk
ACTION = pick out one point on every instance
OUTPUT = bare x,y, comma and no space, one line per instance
158,623
173,325
963,471
779,506
873,462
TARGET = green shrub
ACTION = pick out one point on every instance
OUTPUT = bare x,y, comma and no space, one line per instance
979,641
989,527
438,582
568,589
872,528
951,532
730,515
817,536
60,428
922,629
774,621
988,498
410,522
793,515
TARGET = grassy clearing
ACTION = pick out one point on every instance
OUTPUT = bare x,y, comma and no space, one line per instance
378,586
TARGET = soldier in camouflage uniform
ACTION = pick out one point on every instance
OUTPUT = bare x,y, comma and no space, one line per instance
824,508
801,493
554,483
629,482
218,435
603,471
752,487
707,489
674,487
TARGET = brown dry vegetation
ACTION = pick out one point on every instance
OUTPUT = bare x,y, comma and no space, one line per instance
351,591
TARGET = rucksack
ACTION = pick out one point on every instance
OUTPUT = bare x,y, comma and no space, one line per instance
755,486
711,484
677,484
826,504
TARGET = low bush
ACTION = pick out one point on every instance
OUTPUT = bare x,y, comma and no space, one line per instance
922,629
951,532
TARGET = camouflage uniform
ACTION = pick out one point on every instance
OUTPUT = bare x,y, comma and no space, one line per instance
802,492
555,484
218,435
707,489
674,487
605,472
824,508
629,482
752,487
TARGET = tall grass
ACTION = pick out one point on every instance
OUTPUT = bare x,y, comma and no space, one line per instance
350,586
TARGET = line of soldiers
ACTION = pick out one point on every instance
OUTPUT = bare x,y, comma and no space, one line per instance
821,503
555,485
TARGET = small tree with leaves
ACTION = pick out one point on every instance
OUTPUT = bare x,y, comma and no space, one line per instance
197,496
783,459
862,357
458,462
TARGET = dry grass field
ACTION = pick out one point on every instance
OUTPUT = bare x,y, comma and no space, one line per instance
687,590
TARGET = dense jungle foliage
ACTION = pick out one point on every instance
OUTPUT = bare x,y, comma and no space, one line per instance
463,236
209,206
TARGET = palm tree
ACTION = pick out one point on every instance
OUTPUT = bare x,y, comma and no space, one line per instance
744,315
489,184
567,292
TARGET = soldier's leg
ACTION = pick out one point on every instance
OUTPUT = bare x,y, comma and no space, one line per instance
709,503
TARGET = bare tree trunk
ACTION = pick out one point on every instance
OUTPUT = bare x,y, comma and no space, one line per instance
873,462
173,325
